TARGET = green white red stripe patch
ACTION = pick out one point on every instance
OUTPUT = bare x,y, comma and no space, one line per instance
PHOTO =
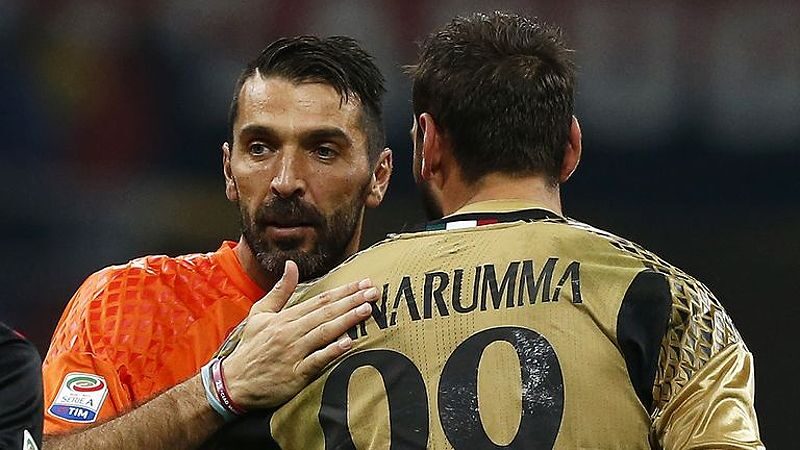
462,224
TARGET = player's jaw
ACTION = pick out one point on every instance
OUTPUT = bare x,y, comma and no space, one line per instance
430,199
293,229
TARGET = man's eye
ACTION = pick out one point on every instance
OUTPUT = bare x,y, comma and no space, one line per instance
325,153
258,149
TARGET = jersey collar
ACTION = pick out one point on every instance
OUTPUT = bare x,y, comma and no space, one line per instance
500,206
230,263
490,212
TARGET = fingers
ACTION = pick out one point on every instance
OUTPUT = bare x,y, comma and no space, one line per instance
328,297
326,316
277,297
318,360
329,330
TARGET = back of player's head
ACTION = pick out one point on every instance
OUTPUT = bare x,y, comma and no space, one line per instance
338,61
501,87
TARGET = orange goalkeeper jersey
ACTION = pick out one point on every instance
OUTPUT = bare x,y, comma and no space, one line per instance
135,330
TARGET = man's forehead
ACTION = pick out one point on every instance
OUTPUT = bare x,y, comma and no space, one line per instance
306,94
276,102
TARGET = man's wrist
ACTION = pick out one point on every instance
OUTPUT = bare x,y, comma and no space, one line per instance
221,388
216,392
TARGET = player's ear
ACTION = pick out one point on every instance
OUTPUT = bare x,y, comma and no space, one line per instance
380,178
230,183
432,141
572,152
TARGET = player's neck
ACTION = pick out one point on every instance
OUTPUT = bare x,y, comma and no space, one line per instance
496,186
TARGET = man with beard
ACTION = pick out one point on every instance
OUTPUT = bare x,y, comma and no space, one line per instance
505,324
305,157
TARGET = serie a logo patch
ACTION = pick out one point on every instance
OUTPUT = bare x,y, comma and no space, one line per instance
80,397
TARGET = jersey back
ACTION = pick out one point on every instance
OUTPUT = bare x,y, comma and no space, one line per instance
539,334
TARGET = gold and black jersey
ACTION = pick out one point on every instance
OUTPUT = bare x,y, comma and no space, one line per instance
507,326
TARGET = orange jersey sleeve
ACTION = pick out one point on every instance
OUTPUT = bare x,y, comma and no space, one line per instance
133,331
71,354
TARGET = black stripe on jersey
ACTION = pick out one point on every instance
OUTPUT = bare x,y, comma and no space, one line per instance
641,325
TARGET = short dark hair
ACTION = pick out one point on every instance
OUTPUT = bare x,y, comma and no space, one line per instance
501,86
338,61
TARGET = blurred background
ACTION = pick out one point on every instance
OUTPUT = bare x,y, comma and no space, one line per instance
112,114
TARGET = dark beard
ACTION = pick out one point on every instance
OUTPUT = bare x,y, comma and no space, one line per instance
333,234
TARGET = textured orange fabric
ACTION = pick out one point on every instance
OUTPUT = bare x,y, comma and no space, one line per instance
146,326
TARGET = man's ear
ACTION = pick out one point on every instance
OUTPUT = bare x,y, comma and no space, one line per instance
380,179
572,153
230,183
432,141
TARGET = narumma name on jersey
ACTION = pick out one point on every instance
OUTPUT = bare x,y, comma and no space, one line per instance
442,292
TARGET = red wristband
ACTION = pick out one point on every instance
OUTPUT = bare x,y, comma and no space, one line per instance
218,379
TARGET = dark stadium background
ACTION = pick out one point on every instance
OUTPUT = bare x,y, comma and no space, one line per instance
113,113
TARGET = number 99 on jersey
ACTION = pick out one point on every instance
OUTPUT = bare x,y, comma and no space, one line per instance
541,390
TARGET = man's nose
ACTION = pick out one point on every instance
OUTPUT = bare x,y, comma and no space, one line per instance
289,180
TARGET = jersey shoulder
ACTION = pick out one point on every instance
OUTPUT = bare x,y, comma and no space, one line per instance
692,300
698,327
135,304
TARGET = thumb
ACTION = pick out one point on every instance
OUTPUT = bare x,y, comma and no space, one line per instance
277,297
